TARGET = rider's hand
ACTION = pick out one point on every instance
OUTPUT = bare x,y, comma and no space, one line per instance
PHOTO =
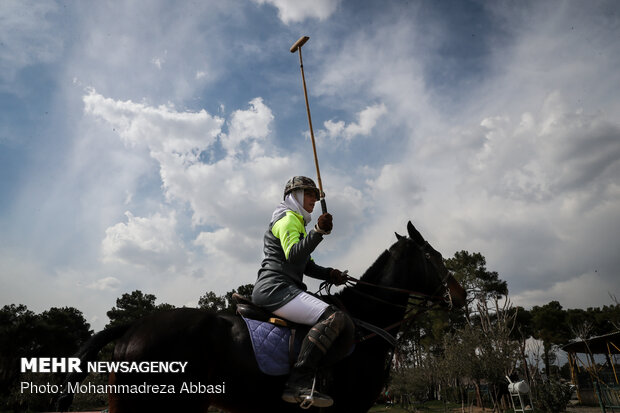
337,277
324,224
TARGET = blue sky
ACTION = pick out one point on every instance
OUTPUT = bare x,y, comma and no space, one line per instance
144,145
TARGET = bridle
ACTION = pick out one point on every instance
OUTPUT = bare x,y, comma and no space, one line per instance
428,300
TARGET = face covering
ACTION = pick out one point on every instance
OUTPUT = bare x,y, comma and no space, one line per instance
294,201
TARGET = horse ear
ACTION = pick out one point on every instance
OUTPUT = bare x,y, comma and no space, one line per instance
414,234
398,236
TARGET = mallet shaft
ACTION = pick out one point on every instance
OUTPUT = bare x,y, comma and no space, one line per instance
297,47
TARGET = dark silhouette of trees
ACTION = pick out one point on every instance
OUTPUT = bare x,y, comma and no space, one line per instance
57,332
133,306
438,350
214,302
471,272
549,325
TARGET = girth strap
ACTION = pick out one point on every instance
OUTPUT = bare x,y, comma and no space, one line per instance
292,356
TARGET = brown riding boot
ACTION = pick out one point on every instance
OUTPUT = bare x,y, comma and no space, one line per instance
301,383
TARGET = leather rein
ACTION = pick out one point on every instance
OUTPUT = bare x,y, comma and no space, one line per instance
415,310
409,314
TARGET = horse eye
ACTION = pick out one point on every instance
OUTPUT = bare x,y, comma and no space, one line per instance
428,256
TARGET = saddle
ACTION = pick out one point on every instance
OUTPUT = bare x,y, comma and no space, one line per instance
276,342
247,309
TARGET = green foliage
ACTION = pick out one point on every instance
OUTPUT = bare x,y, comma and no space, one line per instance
413,383
437,348
593,321
245,290
552,396
610,317
132,307
17,339
214,302
91,400
471,272
549,324
67,329
474,345
211,301
523,324
57,332
481,285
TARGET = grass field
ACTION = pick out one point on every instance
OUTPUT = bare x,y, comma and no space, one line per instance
429,407
438,407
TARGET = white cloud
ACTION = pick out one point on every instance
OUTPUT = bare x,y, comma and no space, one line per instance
370,65
293,11
219,244
552,154
162,129
523,171
107,283
149,242
397,183
505,142
158,62
591,288
509,176
232,190
367,120
27,35
247,124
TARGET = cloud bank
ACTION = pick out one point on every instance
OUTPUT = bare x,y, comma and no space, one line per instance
147,147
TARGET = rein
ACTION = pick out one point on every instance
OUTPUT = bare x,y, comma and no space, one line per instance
384,332
429,299
351,281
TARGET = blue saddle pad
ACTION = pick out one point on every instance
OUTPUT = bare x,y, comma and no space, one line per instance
271,346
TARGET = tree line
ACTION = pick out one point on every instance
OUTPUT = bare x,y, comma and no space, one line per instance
440,354
465,356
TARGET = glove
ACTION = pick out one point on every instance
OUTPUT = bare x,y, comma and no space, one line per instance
338,277
324,224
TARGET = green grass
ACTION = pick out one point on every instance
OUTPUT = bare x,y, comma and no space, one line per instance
430,407
382,408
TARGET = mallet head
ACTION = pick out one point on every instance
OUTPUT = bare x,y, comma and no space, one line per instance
302,40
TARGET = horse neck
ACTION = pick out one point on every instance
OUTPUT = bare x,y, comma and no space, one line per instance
373,304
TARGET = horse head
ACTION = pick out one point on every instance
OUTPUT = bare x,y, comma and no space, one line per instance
420,267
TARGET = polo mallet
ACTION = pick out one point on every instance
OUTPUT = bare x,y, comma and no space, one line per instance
294,48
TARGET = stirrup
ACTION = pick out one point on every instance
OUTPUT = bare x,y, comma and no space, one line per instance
306,401
322,400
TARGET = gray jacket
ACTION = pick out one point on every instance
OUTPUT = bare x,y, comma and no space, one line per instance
280,279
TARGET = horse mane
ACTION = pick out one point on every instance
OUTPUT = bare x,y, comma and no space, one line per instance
374,271
363,307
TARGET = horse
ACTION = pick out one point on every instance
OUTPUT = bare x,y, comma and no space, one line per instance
219,354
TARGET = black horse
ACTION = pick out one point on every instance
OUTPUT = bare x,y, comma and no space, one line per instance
219,354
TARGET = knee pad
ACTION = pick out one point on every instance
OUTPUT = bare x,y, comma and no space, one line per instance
330,325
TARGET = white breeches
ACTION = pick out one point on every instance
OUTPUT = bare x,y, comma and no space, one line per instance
303,309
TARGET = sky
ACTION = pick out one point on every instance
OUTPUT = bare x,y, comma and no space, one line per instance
144,145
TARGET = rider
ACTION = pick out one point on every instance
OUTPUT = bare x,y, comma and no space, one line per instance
280,288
